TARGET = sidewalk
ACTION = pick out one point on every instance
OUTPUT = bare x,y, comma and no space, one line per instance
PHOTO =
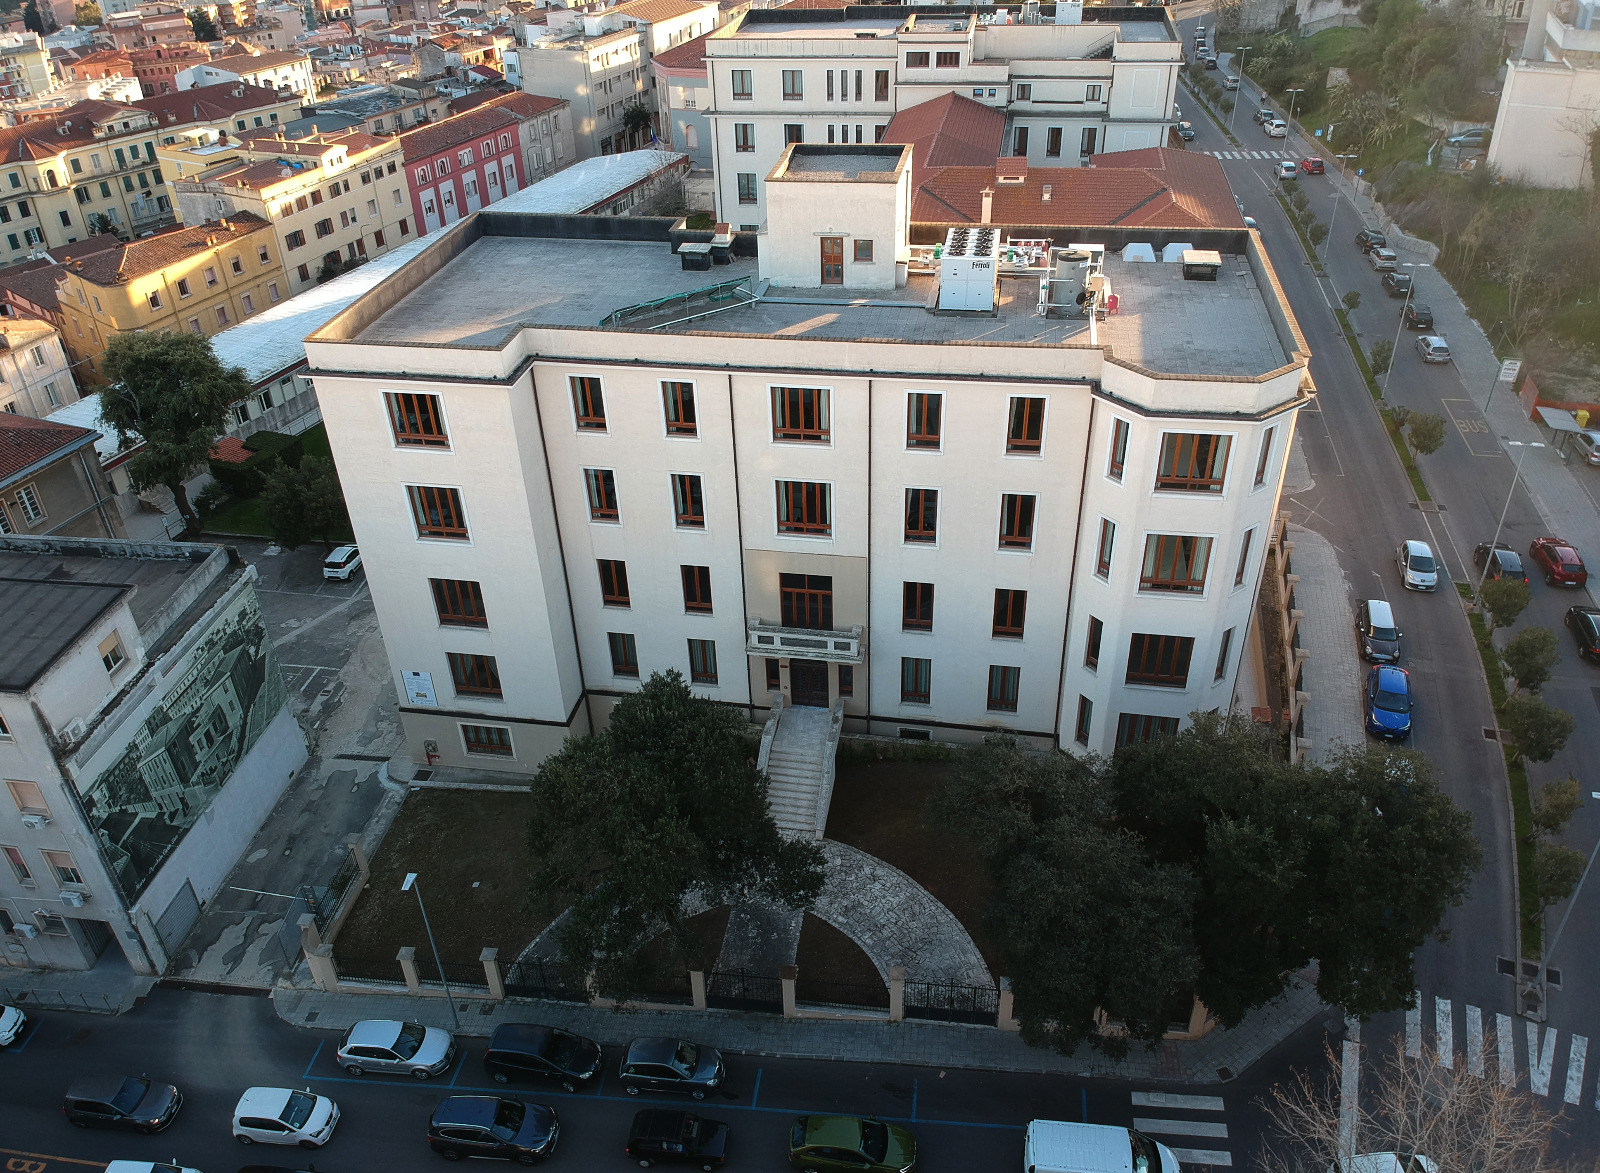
108,988
1221,1055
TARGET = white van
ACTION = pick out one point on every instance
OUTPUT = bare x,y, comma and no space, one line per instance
1058,1146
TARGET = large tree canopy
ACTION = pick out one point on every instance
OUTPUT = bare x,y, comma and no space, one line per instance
629,822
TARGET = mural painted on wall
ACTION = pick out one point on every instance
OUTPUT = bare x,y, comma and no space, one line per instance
220,699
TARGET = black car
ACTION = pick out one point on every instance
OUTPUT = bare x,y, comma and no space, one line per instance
1377,638
660,1134
1211,63
521,1050
1397,284
1502,560
1584,623
1370,238
1417,317
487,1126
121,1101
671,1065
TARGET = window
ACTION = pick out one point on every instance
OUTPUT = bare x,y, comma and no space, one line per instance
18,867
916,60
51,925
1080,730
922,515
916,681
183,287
922,419
1266,454
263,254
742,90
1025,431
437,512
111,653
28,797
1024,91
1086,141
947,61
1003,683
295,239
1133,728
1091,94
1244,557
774,680
1222,655
795,132
744,136
1119,449
237,265
696,589
702,661
827,76
459,602
416,420
61,865
601,487
1192,463
805,507
487,740
678,402
1010,611
223,317
1052,142
324,227
1016,521
1159,659
1020,141
1173,563
614,583
624,654
5,733
194,326
880,85
377,236
474,675
847,672
304,271
917,608
747,187
154,298
247,303
688,508
1108,541
806,601
28,501
588,404
794,85
800,413
1091,647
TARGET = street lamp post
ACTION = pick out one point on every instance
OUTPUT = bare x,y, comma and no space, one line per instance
1394,350
1238,93
1294,96
1533,1001
1515,473
1338,196
410,885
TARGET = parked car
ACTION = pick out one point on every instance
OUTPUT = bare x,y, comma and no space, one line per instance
12,1022
1314,165
1263,115
521,1050
1382,260
1558,560
1500,559
488,1126
1391,1163
1418,570
1177,110
1389,702
1376,635
1476,137
1432,348
1584,623
1370,238
1276,128
1231,82
1287,171
1250,223
1212,63
1416,316
838,1143
147,1167
1588,443
1186,132
341,563
386,1046
1396,284
121,1101
660,1134
671,1065
280,1115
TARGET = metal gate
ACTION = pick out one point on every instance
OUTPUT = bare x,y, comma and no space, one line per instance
174,924
534,977
740,989
953,1002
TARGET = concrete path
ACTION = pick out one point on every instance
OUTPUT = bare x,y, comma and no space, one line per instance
1333,672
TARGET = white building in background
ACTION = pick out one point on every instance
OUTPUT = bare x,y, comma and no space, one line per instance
35,372
1099,80
1550,102
568,469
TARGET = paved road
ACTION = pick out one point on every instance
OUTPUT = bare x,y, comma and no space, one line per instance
213,1046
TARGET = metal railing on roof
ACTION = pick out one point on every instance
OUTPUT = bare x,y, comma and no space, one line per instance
736,292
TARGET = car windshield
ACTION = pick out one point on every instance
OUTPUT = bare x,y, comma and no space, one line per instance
562,1049
129,1094
686,1056
298,1110
1382,633
1391,702
874,1140
1146,1157
1421,563
508,1116
410,1040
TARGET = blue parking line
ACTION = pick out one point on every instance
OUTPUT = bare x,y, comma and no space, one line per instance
456,1074
913,1100
600,1089
28,1038
1084,1094
315,1056
755,1096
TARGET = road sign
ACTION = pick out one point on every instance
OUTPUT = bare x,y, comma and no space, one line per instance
1509,370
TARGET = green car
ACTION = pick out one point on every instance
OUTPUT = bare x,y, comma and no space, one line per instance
834,1144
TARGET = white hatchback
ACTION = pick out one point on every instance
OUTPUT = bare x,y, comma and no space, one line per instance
1418,570
12,1021
280,1115
1277,128
341,563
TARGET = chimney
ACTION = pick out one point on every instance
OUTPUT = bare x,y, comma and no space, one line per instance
988,206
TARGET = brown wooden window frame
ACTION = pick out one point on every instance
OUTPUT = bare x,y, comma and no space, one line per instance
1106,548
924,419
624,653
702,661
809,508
1137,728
916,606
474,675
801,415
922,515
947,60
677,408
437,511
1193,462
1005,680
847,680
696,589
600,490
805,602
774,674
474,742
688,501
1025,425
1244,556
1081,727
1162,661
588,402
459,602
916,680
1175,563
614,582
1265,457
1010,613
1119,449
1091,643
1018,512
416,419
919,59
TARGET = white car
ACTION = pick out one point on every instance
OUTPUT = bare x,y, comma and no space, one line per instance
1433,348
12,1021
1288,170
280,1115
341,563
1231,82
1418,570
1277,128
1383,260
1589,444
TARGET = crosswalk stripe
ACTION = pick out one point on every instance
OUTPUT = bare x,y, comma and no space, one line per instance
1181,1127
1575,1059
1475,1041
1540,1061
1204,1156
1445,1028
1507,1049
1174,1100
1414,1028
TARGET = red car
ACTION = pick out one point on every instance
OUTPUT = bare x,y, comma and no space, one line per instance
1559,562
1313,166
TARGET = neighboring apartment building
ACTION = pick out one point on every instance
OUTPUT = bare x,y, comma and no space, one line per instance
52,485
1070,91
149,25
35,373
332,199
288,72
683,100
942,523
232,108
374,109
276,28
145,736
157,68
1550,101
24,65
202,279
64,95
99,64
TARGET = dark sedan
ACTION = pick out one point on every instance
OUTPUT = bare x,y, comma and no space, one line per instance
1417,316
671,1065
1370,238
1502,561
487,1126
121,1101
1584,623
522,1050
660,1134
1397,284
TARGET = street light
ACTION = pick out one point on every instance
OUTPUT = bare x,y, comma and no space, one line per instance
1516,472
409,884
1238,93
1393,350
1338,197
1534,1007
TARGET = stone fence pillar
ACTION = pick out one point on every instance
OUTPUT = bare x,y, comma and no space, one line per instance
309,937
697,988
407,957
897,993
323,973
787,976
491,973
359,854
1006,1018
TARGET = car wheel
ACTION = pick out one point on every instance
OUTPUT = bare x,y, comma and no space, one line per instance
355,1069
243,1139
645,1162
569,1085
450,1154
698,1095
420,1073
501,1077
527,1159
308,1144
1549,580
631,1089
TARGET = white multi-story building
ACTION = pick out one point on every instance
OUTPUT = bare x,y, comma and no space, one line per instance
1101,79
567,469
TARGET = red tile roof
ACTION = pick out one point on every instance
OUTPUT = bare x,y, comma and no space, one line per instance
649,11
25,441
949,131
230,450
689,55
113,266
426,141
208,103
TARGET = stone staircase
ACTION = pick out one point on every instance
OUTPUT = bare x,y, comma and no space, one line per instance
797,753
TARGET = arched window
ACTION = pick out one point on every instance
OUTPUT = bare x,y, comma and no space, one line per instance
691,137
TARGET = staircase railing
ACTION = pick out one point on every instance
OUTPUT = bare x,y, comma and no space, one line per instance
771,731
825,791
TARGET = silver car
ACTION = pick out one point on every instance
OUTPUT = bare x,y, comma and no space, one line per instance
1589,444
1432,348
1418,570
386,1046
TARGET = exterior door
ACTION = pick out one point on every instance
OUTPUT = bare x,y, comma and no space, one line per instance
808,683
833,260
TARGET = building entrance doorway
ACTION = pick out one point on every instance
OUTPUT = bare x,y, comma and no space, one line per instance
808,683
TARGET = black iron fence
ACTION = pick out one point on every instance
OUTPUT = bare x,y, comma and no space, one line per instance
461,974
849,995
668,987
371,969
953,1002
742,990
534,977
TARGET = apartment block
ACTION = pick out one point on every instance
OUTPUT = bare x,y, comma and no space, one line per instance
24,65
51,484
35,372
288,72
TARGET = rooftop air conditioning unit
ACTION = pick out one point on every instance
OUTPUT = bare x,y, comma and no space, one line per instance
969,268
36,822
73,899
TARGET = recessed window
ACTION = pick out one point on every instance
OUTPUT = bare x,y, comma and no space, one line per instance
624,654
1107,544
916,681
19,869
1091,646
922,515
1192,463
806,601
1222,654
474,675
1003,682
774,679
111,653
688,504
863,250
805,507
588,403
1173,563
614,582
947,61
1159,659
416,420
1119,449
237,265
62,867
743,91
1244,557
5,731
492,741
28,797
600,486
917,60
154,298
1080,731
800,414
917,607
1024,92
1016,521
459,602
223,317
747,187
702,661
794,85
183,287
1265,457
923,412
1133,728
1025,429
30,505
437,512
50,924
696,588
677,400
744,137
1010,613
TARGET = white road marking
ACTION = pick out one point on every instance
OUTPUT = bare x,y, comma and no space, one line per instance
1349,1085
1174,1100
1475,1041
1414,1029
1540,1061
1575,1059
1203,1156
1507,1049
1181,1127
1444,1027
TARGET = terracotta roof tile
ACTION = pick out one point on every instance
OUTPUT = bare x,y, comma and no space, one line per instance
426,141
208,103
230,450
689,55
650,11
154,253
25,441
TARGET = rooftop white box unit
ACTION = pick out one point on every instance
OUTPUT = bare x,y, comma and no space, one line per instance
969,268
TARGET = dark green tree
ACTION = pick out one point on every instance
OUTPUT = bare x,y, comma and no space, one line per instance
305,503
1530,656
1352,300
87,14
168,389
1555,804
628,823
1538,730
205,29
1504,599
31,18
1382,353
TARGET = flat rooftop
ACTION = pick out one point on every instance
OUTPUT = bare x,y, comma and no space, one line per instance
1164,323
843,30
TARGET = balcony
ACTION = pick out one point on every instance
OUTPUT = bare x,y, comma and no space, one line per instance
768,639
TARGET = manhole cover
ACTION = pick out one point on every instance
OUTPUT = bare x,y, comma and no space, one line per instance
1491,735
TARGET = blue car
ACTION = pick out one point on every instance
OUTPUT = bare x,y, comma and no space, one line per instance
1389,702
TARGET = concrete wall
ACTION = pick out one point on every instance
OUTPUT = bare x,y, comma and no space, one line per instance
805,209
1547,109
